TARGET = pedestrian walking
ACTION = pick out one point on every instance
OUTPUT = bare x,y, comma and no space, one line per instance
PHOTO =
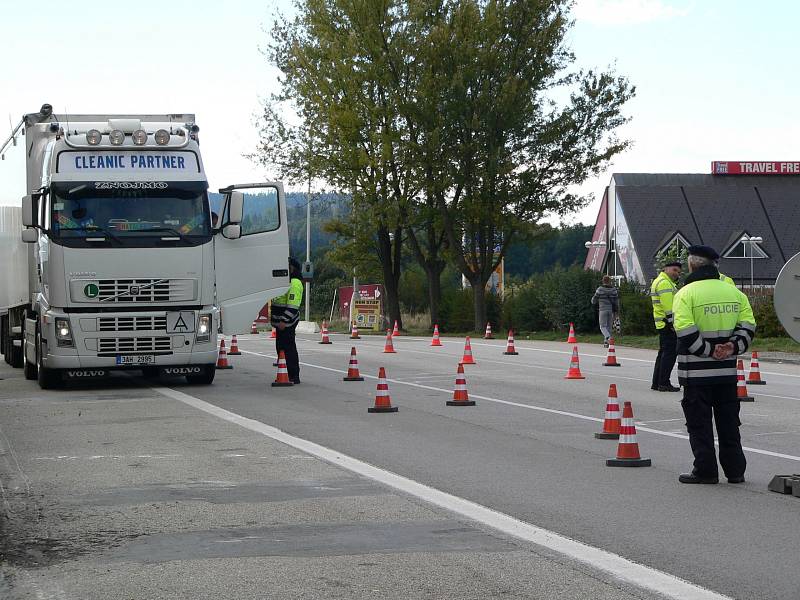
606,298
714,324
662,291
284,317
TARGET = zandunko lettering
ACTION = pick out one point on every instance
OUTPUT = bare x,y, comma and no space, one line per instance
721,309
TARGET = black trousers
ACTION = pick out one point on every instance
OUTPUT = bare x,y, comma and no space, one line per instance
667,354
699,402
285,340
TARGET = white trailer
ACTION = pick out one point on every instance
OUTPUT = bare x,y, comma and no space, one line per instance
114,259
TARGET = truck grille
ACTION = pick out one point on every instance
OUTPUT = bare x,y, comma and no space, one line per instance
135,345
132,324
144,290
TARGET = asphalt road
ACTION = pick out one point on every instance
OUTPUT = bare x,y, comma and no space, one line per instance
134,489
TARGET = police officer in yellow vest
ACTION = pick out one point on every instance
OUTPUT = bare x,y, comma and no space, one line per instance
662,291
726,279
715,324
284,318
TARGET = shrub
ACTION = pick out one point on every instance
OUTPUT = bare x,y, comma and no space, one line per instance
636,310
767,323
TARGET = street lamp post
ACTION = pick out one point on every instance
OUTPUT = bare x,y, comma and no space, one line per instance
749,240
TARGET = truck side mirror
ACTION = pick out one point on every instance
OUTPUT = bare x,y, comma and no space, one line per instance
232,232
29,236
236,208
27,211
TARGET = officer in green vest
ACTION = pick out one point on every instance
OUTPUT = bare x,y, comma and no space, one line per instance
714,323
662,290
726,279
284,318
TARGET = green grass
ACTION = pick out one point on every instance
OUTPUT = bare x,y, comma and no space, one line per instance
634,341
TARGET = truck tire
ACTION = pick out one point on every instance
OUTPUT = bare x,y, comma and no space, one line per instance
5,340
48,378
205,378
14,354
29,369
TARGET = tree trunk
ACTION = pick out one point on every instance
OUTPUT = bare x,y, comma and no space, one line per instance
434,273
389,253
479,304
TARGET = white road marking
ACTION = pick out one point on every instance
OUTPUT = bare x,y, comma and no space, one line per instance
617,566
554,411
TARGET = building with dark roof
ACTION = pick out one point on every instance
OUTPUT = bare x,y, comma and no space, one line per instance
643,214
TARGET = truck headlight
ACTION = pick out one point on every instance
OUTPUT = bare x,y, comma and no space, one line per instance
204,328
63,333
116,137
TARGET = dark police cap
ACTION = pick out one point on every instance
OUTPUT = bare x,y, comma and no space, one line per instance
674,263
704,251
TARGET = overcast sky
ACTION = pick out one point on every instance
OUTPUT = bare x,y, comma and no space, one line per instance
716,79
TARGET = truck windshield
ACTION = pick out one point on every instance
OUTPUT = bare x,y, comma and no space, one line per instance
131,211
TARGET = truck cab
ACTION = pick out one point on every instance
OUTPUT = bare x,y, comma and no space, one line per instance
129,264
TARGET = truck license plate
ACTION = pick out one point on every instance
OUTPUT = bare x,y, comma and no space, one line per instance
136,359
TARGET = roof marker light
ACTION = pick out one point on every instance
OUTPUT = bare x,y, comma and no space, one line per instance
116,137
162,137
139,137
93,137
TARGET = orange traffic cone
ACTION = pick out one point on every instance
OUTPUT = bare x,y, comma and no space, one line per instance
354,332
488,334
253,328
460,396
754,377
612,422
741,387
628,449
510,344
282,379
436,341
325,338
273,334
574,366
467,359
611,360
383,401
572,339
222,357
234,347
388,347
352,370
396,330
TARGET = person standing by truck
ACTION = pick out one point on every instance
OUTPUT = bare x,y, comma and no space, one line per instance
606,298
284,317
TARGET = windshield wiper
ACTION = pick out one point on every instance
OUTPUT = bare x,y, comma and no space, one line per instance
92,229
169,230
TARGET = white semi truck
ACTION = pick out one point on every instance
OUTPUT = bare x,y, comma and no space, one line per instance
114,259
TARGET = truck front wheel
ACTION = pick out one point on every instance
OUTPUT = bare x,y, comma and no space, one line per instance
204,378
48,378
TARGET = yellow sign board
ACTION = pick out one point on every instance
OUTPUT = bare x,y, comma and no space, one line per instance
367,314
